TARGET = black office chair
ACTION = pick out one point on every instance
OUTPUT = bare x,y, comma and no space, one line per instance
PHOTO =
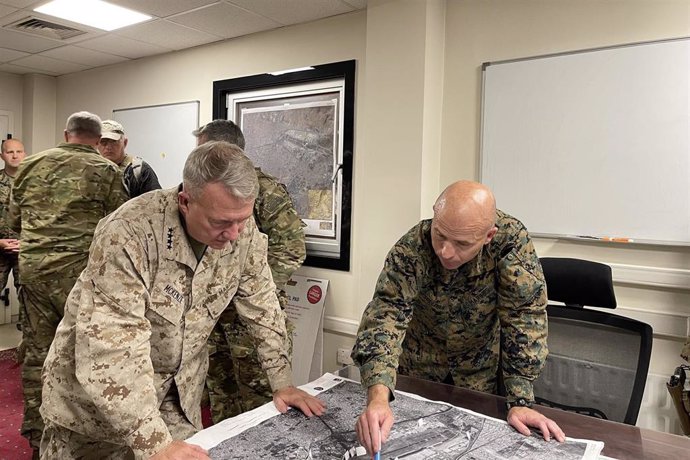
598,361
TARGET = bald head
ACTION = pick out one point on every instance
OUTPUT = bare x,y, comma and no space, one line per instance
464,221
12,154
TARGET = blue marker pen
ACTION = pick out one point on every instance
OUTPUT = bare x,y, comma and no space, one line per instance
377,455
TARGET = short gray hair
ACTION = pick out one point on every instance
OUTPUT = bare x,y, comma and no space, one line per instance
221,130
84,124
224,163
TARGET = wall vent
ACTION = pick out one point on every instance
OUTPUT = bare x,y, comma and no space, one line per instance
37,26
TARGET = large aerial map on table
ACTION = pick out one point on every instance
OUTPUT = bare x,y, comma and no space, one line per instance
423,429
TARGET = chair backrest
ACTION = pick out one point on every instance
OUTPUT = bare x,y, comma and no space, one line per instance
598,361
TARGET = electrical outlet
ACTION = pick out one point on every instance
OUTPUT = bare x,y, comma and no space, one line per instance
343,357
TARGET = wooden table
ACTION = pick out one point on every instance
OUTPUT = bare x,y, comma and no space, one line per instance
620,441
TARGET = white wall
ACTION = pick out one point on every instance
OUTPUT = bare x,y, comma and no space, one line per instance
11,100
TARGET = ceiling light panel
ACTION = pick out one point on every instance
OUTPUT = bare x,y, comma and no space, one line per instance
93,13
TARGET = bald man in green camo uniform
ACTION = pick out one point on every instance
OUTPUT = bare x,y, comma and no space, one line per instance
236,383
59,195
456,293
12,154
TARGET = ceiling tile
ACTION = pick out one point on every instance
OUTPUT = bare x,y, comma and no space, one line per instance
162,8
5,10
358,4
83,56
295,11
168,34
123,46
11,68
47,64
8,55
23,42
225,20
23,3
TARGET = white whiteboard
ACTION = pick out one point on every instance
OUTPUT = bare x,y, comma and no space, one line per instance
162,136
592,143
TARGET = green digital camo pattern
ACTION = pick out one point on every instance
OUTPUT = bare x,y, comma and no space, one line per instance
429,322
5,188
137,321
236,383
59,196
685,353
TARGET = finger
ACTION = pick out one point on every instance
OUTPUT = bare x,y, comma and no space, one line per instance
366,434
544,428
303,405
280,404
316,406
556,430
386,428
519,426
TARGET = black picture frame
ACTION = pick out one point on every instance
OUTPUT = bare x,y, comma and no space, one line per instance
338,258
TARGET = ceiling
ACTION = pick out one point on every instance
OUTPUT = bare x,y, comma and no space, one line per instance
176,25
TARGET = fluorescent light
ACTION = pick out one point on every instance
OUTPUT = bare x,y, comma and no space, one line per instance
94,13
298,69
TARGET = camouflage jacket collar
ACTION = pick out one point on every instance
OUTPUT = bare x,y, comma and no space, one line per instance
79,147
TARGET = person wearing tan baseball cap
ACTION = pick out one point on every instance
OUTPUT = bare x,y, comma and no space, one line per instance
139,177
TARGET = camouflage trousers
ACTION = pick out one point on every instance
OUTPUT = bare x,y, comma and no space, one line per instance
43,307
9,263
236,382
59,443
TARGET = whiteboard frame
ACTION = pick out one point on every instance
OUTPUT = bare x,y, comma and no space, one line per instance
480,165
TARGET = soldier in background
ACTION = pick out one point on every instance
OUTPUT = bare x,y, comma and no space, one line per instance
138,175
59,195
125,374
457,292
12,154
236,383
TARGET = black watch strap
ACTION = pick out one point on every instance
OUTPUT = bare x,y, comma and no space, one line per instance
520,402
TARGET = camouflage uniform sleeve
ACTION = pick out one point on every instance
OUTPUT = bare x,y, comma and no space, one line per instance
522,313
278,219
257,305
14,217
112,348
385,319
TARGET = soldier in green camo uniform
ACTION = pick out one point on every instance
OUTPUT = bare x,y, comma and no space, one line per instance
236,383
12,154
59,195
456,293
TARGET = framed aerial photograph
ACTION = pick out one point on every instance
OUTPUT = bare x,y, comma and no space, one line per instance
298,127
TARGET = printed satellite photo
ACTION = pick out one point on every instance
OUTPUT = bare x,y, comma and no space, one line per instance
423,429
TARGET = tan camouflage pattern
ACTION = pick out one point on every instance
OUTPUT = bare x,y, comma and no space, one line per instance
6,182
685,352
236,383
429,322
137,321
59,196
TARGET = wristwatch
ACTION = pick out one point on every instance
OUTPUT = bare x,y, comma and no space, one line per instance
520,402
